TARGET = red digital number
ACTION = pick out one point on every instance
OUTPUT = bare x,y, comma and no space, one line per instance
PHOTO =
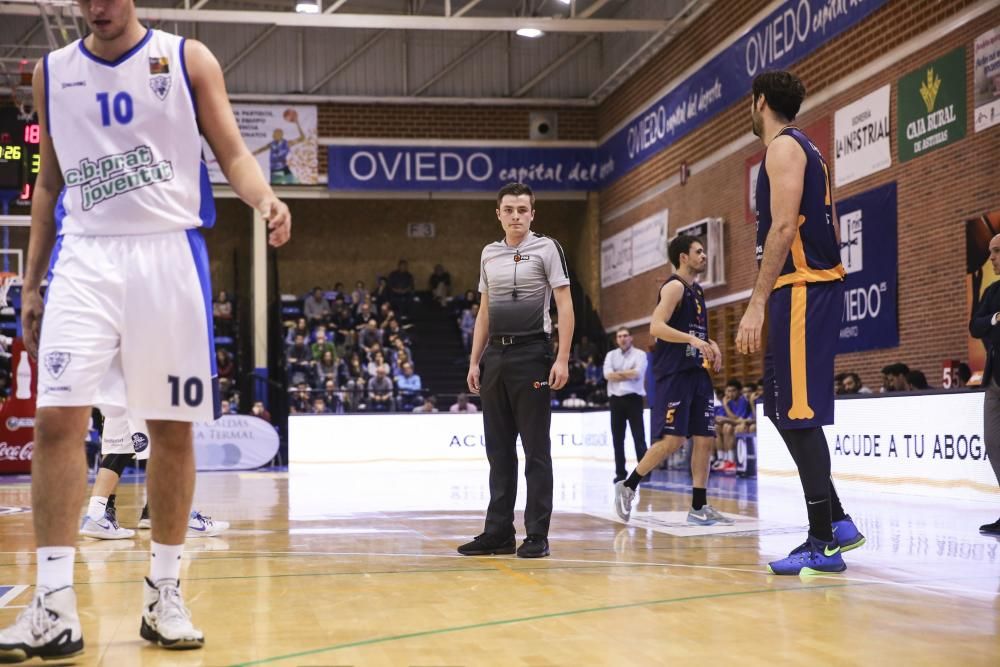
26,192
31,133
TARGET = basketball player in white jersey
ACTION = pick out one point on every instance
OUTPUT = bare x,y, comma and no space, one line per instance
122,440
121,112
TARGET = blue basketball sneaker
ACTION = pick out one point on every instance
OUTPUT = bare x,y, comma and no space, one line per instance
812,557
847,534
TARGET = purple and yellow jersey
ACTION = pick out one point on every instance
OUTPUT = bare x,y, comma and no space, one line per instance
815,253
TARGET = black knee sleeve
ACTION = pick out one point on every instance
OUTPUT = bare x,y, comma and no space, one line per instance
115,462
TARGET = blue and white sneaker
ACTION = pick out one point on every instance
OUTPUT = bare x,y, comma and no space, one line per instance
106,528
847,534
812,557
200,525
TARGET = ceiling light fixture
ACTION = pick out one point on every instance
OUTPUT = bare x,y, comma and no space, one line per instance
307,6
529,32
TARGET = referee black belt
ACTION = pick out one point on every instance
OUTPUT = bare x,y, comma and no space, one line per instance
505,341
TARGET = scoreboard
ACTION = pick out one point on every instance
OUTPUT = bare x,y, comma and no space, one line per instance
19,159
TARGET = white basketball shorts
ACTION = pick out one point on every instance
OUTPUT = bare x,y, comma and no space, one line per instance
127,327
122,435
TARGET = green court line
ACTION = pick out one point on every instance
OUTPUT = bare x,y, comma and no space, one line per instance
525,619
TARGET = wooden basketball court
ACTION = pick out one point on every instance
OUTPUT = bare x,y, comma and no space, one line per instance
309,578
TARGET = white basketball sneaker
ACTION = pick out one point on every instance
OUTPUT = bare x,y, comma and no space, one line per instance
200,525
165,619
106,528
48,628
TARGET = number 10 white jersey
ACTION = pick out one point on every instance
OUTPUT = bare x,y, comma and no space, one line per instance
126,136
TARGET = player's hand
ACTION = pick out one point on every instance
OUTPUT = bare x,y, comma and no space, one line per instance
705,348
32,308
748,336
717,364
279,221
559,375
473,379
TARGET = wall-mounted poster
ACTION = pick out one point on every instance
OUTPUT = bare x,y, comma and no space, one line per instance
930,106
986,80
283,138
861,137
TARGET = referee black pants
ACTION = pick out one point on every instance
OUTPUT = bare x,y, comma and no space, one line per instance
514,392
627,408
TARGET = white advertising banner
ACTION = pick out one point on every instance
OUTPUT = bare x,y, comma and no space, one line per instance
986,80
234,442
616,258
649,243
861,137
283,138
930,445
576,436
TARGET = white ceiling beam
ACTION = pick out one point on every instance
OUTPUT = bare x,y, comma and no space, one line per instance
257,41
374,21
335,6
593,9
466,7
554,65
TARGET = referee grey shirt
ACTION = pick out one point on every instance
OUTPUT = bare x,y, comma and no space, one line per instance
519,283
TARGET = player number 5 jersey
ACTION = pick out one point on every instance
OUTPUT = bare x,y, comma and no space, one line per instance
127,139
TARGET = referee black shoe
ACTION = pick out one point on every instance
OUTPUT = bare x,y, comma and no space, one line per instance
534,546
488,545
990,528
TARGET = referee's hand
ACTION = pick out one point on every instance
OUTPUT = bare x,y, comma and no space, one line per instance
559,375
473,379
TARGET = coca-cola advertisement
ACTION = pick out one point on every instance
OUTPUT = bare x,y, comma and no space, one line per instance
17,414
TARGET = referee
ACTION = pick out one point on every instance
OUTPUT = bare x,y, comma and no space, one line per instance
515,372
625,371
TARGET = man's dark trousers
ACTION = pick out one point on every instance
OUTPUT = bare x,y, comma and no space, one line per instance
627,408
515,397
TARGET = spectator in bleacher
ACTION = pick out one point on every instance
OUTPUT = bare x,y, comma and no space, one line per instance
299,352
917,381
573,402
300,328
852,384
319,407
386,315
429,405
380,392
343,322
224,407
258,410
381,293
225,388
398,346
364,312
440,283
467,324
584,349
360,292
409,387
222,307
316,308
322,344
838,383
357,381
378,363
462,404
370,336
395,329
338,290
300,403
401,287
224,363
894,377
327,368
593,374
333,398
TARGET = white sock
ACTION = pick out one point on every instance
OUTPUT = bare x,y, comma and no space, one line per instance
165,561
97,507
55,567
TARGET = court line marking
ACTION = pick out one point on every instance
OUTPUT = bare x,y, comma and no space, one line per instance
10,595
525,619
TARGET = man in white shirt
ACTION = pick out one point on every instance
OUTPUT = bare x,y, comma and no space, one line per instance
462,404
625,371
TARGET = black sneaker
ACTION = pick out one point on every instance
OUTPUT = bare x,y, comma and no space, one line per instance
990,528
488,545
534,546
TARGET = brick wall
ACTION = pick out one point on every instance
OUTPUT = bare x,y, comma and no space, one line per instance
936,192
